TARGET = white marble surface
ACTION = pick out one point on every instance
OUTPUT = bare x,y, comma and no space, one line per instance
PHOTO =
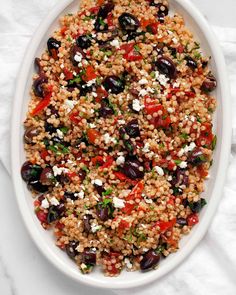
23,270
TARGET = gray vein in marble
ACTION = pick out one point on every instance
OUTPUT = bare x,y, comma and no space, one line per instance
8,276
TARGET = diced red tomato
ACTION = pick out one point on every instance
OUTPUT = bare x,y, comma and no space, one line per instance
110,19
44,153
93,134
190,93
68,74
206,136
131,54
71,175
101,93
89,74
153,27
152,105
108,162
75,118
44,102
121,176
122,226
98,160
192,219
145,22
63,30
42,216
37,203
180,48
202,171
165,225
135,194
100,2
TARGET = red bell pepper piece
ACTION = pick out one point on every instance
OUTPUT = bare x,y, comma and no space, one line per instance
165,225
135,194
89,74
43,103
110,19
121,176
74,117
68,74
93,134
206,136
108,162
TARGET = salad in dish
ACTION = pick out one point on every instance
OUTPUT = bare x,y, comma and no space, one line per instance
118,134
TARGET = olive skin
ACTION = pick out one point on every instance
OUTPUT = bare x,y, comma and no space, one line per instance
102,212
209,84
166,66
99,188
75,50
88,257
47,176
181,221
128,22
30,172
38,67
37,186
113,84
38,86
54,212
105,110
30,133
53,46
132,128
69,195
87,225
191,63
50,128
84,41
82,174
150,260
196,207
197,157
131,168
71,249
102,14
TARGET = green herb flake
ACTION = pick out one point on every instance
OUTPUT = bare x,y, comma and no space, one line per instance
64,129
107,192
136,48
177,162
101,21
59,149
69,39
214,142
152,74
184,136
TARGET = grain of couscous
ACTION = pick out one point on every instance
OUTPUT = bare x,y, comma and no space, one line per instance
118,134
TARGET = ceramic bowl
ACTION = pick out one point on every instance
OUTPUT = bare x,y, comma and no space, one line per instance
222,126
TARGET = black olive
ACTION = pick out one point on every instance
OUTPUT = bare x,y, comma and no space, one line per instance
50,128
130,147
204,64
132,128
162,9
185,202
75,53
99,188
179,177
88,257
103,12
47,176
113,84
84,88
166,66
38,86
38,66
181,221
103,212
70,195
177,191
71,249
133,168
197,157
37,186
30,172
30,133
82,174
87,225
53,46
133,35
191,62
196,207
54,212
128,22
150,260
159,48
209,84
105,110
84,41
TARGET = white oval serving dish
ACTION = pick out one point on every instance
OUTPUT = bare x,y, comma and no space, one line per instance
222,126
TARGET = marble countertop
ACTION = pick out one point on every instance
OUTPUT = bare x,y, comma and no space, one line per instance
23,270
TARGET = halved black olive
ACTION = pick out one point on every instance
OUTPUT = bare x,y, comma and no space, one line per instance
54,212
37,186
53,46
87,225
71,249
209,84
30,172
132,128
88,257
70,195
106,110
128,22
196,207
38,66
166,66
103,12
30,133
76,53
197,157
84,41
114,84
191,62
47,176
133,168
38,86
50,128
150,260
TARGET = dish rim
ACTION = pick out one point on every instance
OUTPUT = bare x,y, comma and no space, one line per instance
220,174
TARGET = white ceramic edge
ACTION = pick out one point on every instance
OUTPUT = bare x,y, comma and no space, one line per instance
219,180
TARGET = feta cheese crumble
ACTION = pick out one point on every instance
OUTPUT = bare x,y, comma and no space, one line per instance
115,43
60,133
45,203
136,105
143,92
143,81
54,201
118,203
120,160
161,78
97,182
159,170
58,170
183,165
78,57
95,227
107,138
128,264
